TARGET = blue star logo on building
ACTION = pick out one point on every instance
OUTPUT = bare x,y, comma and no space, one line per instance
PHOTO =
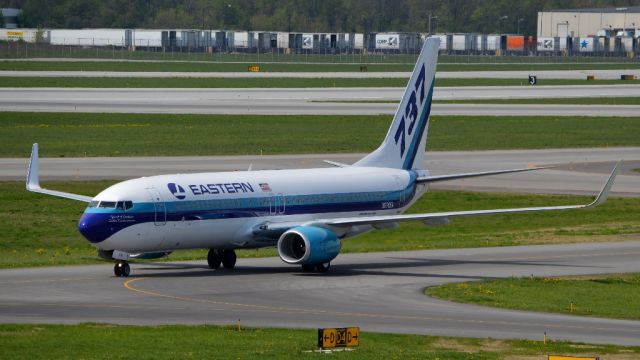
584,44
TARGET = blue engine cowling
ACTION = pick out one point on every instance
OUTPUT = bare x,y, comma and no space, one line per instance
308,245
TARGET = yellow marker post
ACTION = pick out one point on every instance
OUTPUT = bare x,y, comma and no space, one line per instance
562,357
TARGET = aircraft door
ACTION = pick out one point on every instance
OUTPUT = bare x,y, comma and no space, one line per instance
159,207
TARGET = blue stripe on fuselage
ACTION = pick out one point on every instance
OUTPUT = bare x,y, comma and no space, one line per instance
98,224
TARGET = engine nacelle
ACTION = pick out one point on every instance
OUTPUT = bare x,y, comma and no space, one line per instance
308,245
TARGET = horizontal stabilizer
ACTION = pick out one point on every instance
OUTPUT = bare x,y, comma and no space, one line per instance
430,179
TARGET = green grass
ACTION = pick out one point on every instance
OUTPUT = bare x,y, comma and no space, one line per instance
636,170
101,341
577,101
270,63
39,230
174,82
612,296
78,134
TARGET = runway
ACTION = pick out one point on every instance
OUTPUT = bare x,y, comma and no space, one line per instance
307,101
381,292
579,171
499,74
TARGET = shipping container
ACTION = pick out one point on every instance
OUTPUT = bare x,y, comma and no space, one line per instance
546,44
147,38
283,40
358,41
27,35
586,44
515,43
307,41
461,42
89,37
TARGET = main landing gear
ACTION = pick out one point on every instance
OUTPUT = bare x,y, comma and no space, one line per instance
225,257
122,269
321,268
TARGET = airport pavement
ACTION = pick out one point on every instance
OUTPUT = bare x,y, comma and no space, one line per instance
307,101
380,292
578,171
507,74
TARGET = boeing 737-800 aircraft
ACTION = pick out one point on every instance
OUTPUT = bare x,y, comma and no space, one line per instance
305,213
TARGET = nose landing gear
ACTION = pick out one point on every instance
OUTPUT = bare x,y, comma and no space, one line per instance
122,269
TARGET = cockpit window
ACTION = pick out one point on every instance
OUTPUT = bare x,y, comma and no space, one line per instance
93,204
124,205
107,204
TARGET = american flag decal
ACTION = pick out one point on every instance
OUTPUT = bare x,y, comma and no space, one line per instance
265,187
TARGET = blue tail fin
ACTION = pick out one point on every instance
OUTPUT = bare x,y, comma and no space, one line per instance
404,145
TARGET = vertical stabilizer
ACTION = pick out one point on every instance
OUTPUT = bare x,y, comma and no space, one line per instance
404,145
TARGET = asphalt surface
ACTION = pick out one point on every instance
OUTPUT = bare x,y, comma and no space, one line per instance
509,74
380,292
306,101
578,171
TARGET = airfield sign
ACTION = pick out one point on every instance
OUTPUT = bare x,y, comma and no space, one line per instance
338,337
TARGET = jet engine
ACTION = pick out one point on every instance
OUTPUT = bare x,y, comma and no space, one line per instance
308,245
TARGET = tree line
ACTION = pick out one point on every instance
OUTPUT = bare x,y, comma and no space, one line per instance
482,16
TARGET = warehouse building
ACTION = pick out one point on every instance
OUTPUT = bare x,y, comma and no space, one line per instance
609,22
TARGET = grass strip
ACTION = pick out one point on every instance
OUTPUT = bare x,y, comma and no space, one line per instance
612,296
178,82
101,341
40,230
79,134
271,64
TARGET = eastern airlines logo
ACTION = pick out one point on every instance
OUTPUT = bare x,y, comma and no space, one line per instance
177,191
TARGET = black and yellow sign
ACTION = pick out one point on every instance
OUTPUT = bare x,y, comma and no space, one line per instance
561,357
254,68
338,338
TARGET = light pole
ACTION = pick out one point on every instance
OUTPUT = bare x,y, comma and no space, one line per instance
518,26
505,17
432,18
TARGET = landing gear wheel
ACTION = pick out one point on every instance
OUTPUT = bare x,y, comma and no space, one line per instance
228,259
308,267
214,259
323,267
122,269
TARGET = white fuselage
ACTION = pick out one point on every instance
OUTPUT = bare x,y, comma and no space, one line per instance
224,210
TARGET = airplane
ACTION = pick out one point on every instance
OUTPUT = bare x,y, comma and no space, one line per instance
304,213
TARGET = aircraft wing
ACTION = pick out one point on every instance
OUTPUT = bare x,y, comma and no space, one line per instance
33,180
439,216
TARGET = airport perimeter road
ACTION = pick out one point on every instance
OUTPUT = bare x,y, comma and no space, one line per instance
307,101
380,292
524,75
579,171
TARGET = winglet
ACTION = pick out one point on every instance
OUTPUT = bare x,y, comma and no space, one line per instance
604,193
33,176
33,180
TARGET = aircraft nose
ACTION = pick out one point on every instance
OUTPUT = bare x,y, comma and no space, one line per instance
93,227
